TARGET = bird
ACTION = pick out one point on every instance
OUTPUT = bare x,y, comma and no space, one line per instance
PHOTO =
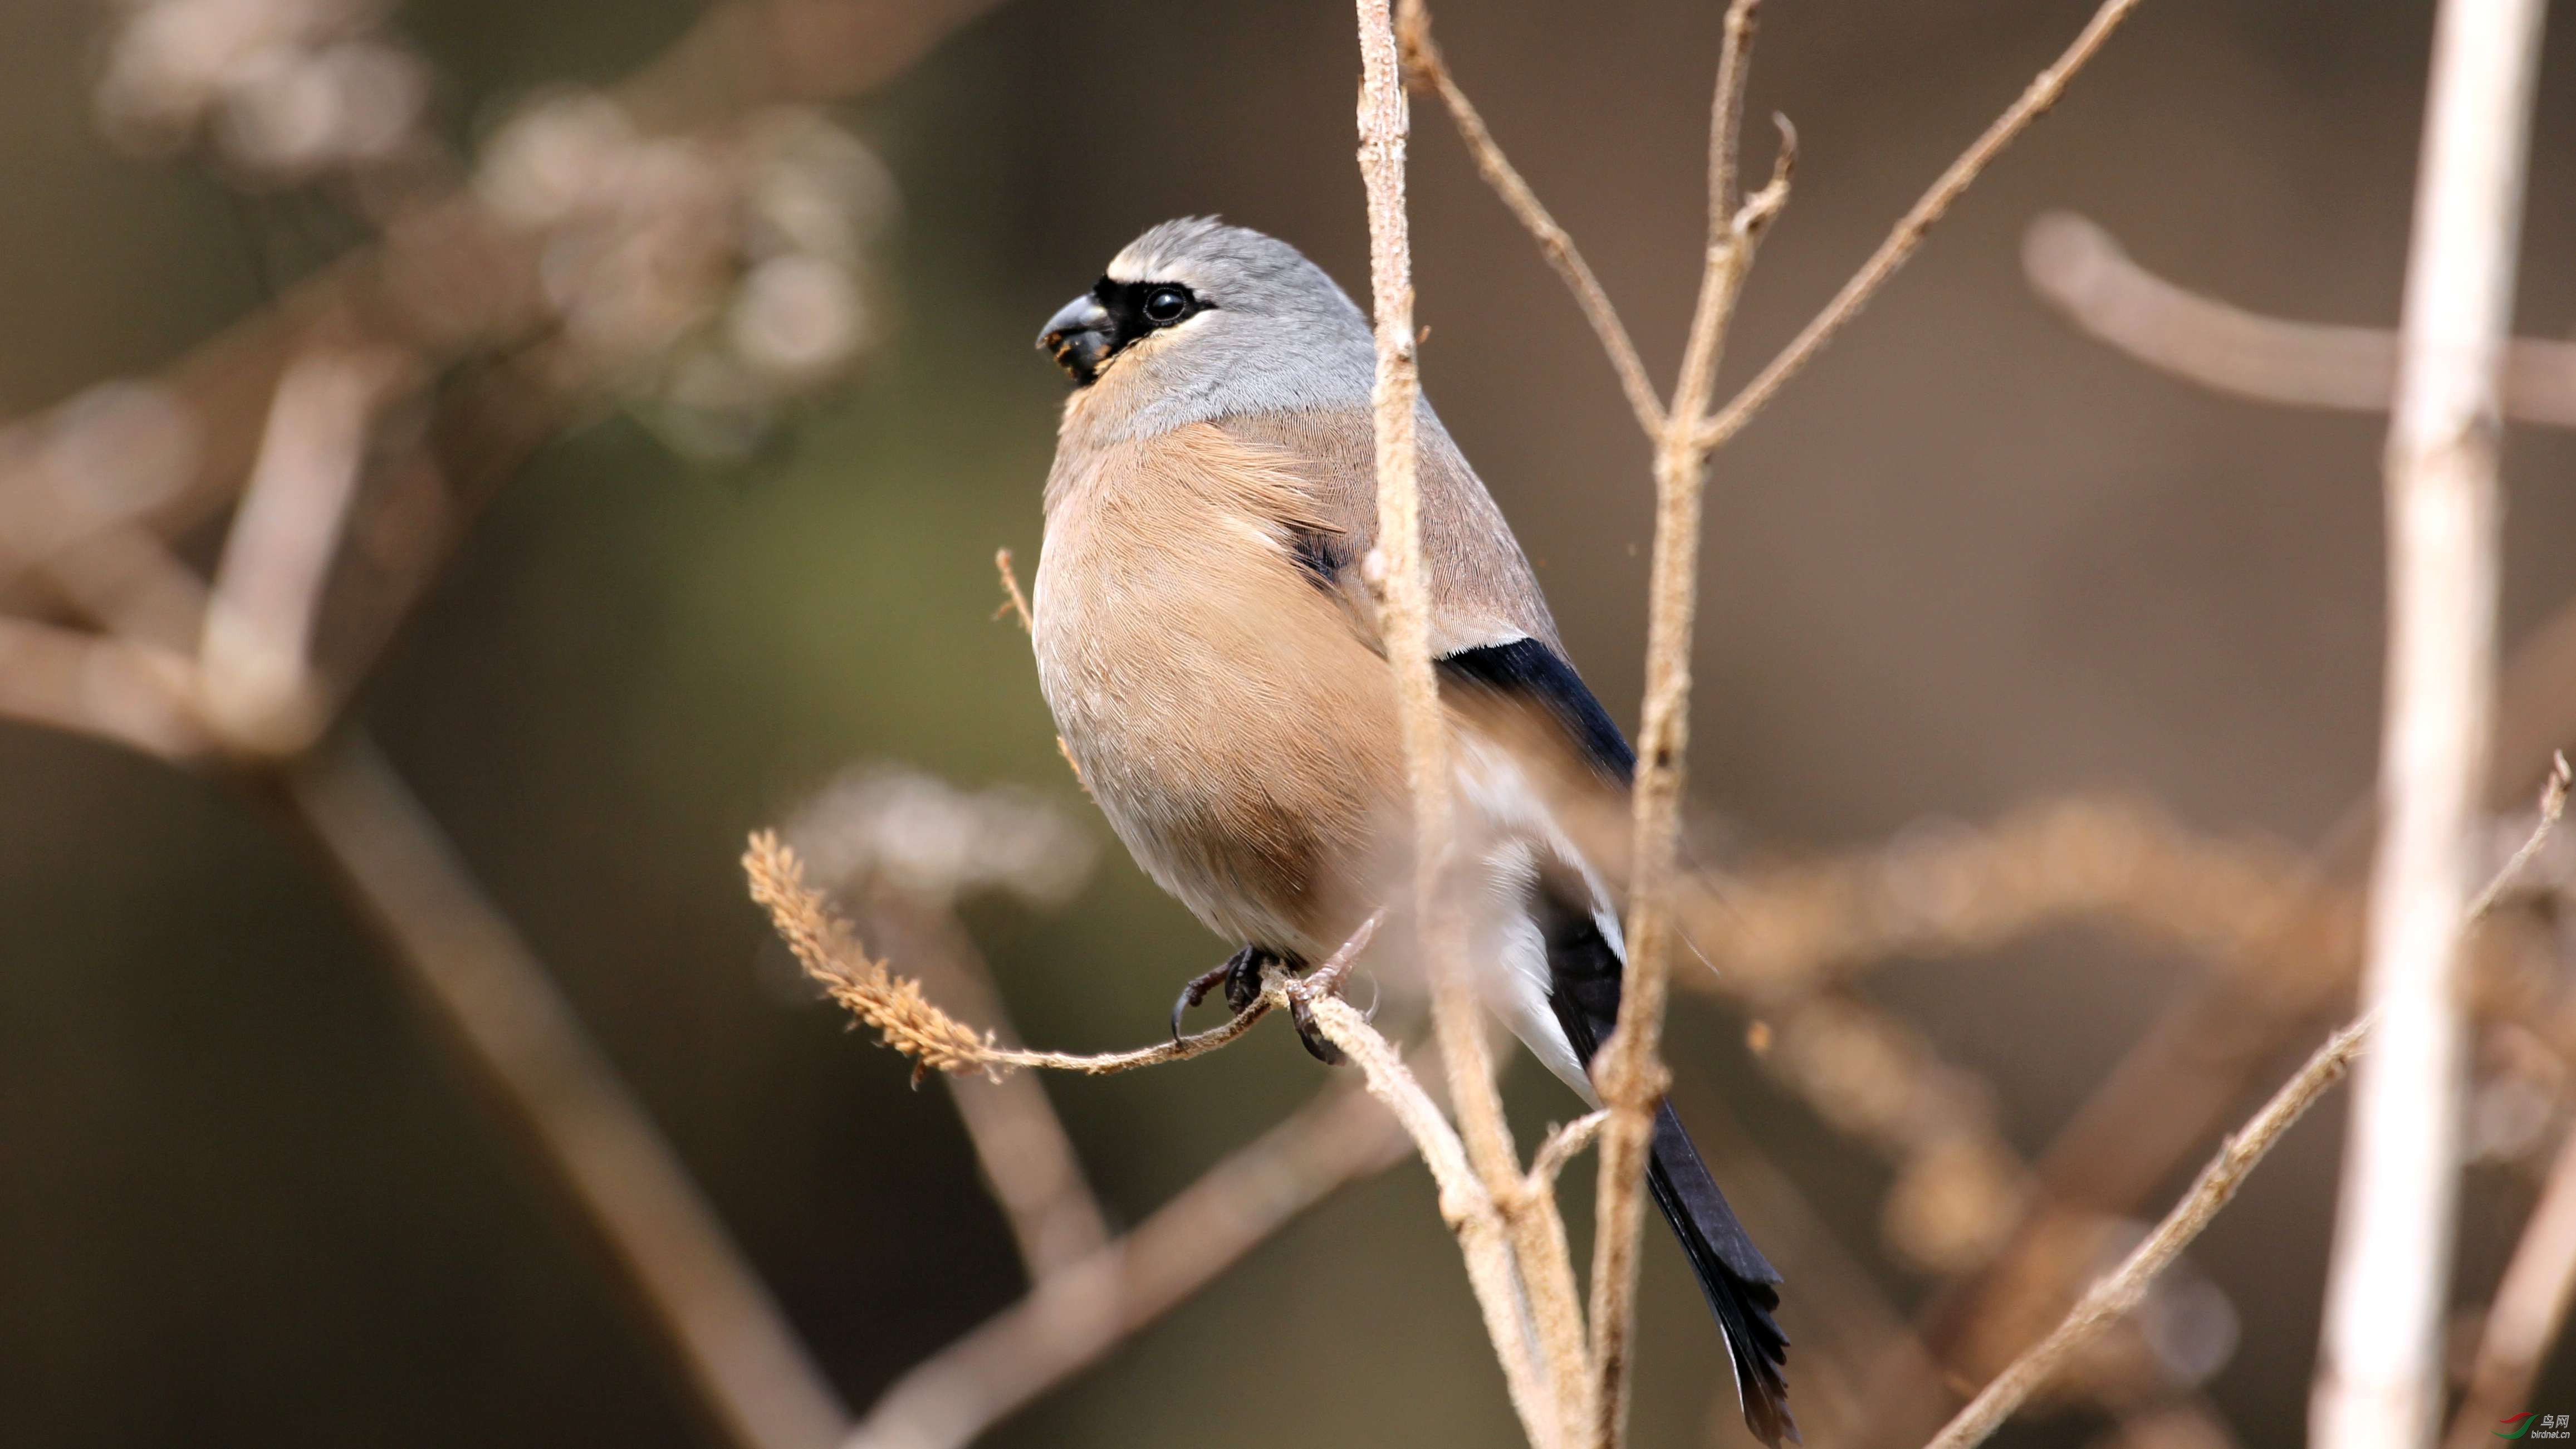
1209,645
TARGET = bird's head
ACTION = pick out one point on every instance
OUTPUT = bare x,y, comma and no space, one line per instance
1202,318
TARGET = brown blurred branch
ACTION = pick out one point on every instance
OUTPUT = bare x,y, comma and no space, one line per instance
1015,604
292,399
1027,1158
1785,930
1075,1315
1917,222
2121,1291
2081,270
259,619
136,695
2529,1310
520,1039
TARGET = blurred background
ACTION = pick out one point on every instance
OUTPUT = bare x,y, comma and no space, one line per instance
1969,560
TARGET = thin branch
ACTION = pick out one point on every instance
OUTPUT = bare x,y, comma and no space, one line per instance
259,684
1786,930
1558,1149
2126,1286
2529,1310
136,695
2081,270
1726,120
1627,1070
1075,1316
516,1033
2553,804
1020,1143
1484,1240
895,1006
2379,1379
1551,1404
1014,603
1423,63
1918,221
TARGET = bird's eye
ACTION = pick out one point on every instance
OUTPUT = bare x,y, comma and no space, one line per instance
1167,305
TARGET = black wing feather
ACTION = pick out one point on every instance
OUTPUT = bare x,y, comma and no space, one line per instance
1529,670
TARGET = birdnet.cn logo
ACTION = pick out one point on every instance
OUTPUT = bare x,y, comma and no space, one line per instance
2532,1426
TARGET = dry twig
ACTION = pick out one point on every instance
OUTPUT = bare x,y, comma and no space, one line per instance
1423,64
2080,269
2379,1379
1627,1069
910,1022
2121,1290
1015,604
1074,1316
1524,1280
1911,228
2530,1308
520,1037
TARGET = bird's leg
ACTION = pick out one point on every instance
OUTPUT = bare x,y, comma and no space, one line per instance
1243,972
1197,988
1241,977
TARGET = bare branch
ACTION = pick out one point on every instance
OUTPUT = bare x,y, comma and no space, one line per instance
2081,270
2123,1289
2529,1310
1627,1069
1484,1239
259,686
2379,1379
1553,1404
909,1022
136,695
1423,62
1027,1158
1557,1150
2553,804
1918,221
1014,603
1074,1317
517,1033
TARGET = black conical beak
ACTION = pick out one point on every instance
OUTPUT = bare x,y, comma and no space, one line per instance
1079,338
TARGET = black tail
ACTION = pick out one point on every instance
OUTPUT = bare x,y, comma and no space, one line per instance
1584,976
1741,1287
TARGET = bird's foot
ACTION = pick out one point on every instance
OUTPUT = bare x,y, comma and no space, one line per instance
1196,990
1241,976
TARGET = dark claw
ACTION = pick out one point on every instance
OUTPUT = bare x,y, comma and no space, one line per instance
1197,991
1318,1046
1241,977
